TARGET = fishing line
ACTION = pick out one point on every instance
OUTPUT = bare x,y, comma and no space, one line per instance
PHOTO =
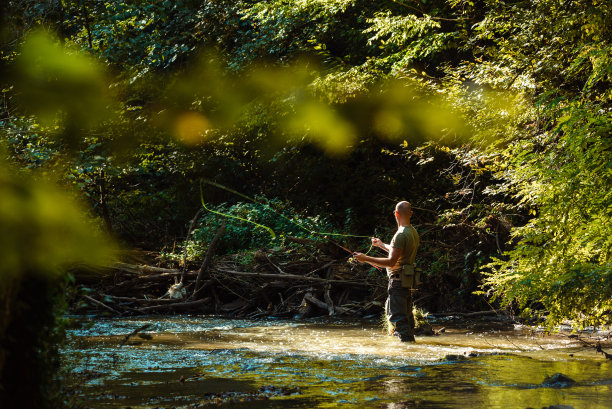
209,182
268,229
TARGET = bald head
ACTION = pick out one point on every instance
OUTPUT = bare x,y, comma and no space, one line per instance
403,208
404,212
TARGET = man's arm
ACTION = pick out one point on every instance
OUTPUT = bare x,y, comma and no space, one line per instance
376,242
394,255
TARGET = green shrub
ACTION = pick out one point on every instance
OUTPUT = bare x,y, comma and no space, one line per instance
241,235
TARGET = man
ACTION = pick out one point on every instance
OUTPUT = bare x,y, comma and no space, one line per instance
400,270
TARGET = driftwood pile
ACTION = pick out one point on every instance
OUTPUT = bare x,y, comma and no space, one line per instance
312,279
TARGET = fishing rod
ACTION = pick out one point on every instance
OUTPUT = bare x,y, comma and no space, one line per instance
268,229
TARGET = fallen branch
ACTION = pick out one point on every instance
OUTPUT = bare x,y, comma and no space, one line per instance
187,242
209,253
145,269
150,277
311,298
472,314
598,349
326,295
101,304
293,277
597,346
141,300
131,334
324,266
280,270
178,303
137,288
203,287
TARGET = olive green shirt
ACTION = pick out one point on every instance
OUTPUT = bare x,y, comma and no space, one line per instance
407,239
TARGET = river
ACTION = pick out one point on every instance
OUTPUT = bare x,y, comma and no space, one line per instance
197,361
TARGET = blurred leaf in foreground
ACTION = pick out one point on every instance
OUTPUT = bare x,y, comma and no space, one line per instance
43,230
56,84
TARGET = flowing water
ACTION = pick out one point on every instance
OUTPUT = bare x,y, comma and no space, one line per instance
196,360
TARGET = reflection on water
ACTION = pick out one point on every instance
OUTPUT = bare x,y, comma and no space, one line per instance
180,361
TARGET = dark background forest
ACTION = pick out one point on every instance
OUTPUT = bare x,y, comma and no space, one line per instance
492,118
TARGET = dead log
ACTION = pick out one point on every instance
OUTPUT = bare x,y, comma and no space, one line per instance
306,307
326,296
187,242
145,269
101,304
177,304
145,281
135,332
209,254
234,305
312,299
294,277
481,313
277,268
598,347
343,296
153,277
328,301
141,300
472,314
206,284
600,350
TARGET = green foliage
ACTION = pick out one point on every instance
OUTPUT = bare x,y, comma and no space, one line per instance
520,90
60,87
420,317
407,39
43,229
282,30
559,158
240,235
567,246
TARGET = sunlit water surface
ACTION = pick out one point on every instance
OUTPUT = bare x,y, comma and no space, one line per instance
326,364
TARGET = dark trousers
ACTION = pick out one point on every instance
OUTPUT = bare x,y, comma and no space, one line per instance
399,308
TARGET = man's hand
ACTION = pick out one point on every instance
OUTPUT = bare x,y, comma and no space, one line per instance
360,257
377,242
394,254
